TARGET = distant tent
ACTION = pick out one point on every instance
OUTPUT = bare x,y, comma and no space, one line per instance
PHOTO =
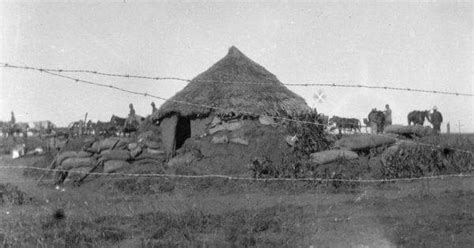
234,85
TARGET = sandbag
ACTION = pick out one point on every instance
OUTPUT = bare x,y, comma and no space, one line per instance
240,141
220,139
132,146
216,129
107,144
84,154
233,125
68,154
409,130
184,159
363,142
122,155
230,126
77,173
216,120
135,152
329,156
146,155
114,165
152,144
75,162
155,151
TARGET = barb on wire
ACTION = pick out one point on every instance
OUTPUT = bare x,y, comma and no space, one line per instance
77,80
242,178
240,82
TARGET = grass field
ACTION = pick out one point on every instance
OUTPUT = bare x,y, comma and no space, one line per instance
159,212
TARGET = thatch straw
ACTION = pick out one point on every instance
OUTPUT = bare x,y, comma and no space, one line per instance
218,87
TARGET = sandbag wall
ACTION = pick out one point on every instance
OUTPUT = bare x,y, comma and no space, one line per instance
115,154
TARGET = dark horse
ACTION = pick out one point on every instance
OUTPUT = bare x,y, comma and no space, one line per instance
417,117
15,128
4,126
104,128
345,123
124,126
378,118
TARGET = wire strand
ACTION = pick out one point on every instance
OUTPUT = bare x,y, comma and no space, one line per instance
240,82
78,80
242,178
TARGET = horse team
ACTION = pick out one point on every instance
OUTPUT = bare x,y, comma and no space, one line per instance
376,120
116,126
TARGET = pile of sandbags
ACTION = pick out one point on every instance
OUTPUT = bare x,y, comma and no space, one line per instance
73,159
221,126
325,157
415,130
78,163
235,137
106,144
110,154
363,142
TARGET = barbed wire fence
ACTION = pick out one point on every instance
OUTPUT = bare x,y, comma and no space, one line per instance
7,65
237,178
58,73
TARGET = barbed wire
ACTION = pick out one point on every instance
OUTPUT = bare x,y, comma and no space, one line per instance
231,82
145,94
77,80
239,178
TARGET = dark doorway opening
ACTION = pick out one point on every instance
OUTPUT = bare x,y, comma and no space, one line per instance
183,131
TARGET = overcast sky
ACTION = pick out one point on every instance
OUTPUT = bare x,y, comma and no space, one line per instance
417,45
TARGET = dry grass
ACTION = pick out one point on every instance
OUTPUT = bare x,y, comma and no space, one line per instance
158,212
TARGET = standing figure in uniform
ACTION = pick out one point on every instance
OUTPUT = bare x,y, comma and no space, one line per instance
436,119
388,115
153,107
12,120
131,116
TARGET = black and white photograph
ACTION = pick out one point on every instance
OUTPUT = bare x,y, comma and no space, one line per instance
325,123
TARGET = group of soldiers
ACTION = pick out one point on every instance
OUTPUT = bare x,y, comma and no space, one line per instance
132,117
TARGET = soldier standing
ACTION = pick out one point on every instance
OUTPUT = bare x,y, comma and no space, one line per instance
153,107
131,115
13,120
436,119
388,115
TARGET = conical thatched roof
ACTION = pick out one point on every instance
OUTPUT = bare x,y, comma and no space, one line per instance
234,84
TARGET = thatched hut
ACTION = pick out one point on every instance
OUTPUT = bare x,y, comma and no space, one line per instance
236,86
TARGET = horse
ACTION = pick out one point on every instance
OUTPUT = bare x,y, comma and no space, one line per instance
4,126
377,118
90,127
104,128
124,126
18,128
76,128
42,127
417,117
345,123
